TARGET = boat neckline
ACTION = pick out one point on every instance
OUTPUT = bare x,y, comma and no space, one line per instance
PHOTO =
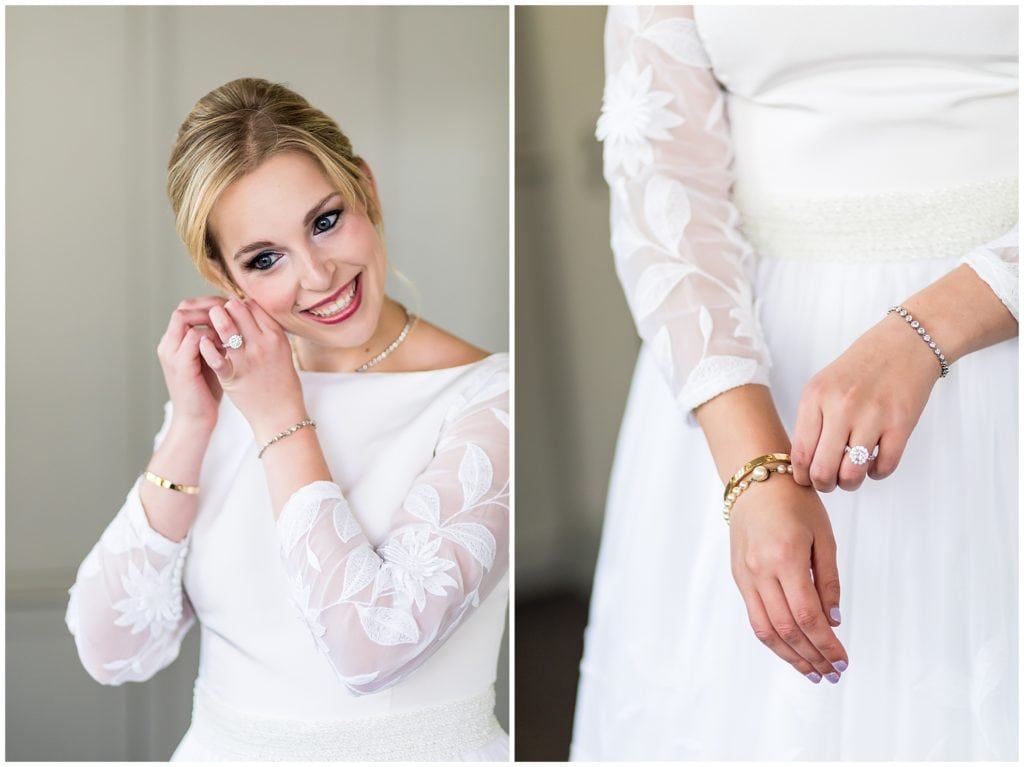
378,373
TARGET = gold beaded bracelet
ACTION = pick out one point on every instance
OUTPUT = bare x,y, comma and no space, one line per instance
758,471
161,482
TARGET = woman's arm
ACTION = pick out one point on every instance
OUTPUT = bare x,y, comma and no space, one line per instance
875,392
684,267
779,532
127,610
376,613
685,270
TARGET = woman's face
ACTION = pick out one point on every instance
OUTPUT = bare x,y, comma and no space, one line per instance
292,245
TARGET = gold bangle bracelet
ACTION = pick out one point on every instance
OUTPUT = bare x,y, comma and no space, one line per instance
160,481
756,476
750,466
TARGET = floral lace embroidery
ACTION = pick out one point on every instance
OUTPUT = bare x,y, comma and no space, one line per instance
678,252
446,551
997,264
144,569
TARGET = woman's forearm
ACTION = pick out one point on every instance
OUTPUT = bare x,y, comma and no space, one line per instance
178,459
293,462
741,424
961,313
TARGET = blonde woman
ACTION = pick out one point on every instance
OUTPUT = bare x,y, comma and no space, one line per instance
328,496
814,220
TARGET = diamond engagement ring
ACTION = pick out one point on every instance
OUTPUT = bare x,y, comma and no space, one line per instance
859,454
235,342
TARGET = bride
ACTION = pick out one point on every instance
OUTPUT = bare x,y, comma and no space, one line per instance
868,159
338,522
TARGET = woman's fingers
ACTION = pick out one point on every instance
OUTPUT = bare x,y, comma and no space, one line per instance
790,616
826,578
805,606
178,325
828,454
890,450
219,363
853,467
225,325
266,323
765,632
243,319
805,439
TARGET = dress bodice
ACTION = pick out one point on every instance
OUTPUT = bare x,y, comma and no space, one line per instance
864,99
390,581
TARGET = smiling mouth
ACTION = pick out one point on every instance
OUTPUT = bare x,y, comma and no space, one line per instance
338,306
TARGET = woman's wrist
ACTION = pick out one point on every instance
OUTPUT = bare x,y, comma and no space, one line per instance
741,424
961,313
267,426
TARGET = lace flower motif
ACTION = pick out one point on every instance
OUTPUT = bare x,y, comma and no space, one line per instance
633,115
153,600
413,567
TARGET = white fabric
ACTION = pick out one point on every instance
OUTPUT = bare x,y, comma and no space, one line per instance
438,733
831,107
398,566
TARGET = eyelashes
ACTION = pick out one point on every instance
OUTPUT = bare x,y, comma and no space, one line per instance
325,221
264,260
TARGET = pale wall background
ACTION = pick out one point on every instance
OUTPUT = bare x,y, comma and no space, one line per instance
94,268
575,340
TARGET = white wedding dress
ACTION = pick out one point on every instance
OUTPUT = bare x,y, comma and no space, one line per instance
366,623
779,178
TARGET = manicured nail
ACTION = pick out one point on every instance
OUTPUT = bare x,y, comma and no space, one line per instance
840,665
814,676
832,677
835,615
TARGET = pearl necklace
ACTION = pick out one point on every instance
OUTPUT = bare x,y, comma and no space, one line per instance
410,322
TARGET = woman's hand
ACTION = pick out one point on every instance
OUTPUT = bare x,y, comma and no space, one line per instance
193,388
258,376
784,562
873,394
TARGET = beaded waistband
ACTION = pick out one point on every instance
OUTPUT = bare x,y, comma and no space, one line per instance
892,226
444,732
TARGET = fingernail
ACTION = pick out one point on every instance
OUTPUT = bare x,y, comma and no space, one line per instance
840,665
814,676
832,677
835,615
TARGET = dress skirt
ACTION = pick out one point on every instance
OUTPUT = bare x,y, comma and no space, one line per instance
927,562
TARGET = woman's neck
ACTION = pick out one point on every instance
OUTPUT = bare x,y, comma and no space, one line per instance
314,357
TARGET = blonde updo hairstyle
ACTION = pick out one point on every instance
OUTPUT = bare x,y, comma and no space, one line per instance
230,132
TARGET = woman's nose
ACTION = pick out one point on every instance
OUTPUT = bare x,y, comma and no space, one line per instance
317,274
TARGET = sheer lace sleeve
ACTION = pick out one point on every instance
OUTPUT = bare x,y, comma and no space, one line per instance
678,253
996,263
127,611
378,613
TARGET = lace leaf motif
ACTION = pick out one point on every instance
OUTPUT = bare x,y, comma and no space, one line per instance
388,626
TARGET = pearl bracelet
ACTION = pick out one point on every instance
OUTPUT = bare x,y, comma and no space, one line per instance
759,473
914,324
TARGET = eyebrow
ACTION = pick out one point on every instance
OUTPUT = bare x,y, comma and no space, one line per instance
305,222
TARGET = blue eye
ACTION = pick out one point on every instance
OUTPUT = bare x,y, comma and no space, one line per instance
262,261
326,222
